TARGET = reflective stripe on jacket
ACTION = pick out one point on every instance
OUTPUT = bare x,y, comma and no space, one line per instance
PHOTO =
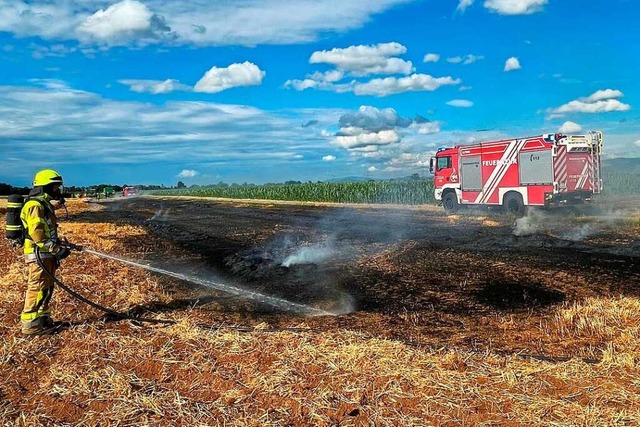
41,228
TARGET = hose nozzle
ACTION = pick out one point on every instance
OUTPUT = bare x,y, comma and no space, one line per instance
72,247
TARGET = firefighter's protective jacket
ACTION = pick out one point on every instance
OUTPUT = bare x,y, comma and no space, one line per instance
41,227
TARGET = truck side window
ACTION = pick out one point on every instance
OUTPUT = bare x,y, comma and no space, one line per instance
443,163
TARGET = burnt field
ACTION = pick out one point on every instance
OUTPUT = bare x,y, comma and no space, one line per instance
418,319
407,274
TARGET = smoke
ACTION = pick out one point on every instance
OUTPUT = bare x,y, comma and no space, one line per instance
533,222
160,215
570,224
309,255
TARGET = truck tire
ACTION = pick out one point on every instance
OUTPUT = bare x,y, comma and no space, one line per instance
513,204
450,203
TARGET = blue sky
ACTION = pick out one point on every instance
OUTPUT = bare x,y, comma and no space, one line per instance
152,92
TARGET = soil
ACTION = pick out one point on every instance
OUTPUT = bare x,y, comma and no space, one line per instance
479,280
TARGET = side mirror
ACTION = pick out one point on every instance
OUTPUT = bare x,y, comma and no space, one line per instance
432,163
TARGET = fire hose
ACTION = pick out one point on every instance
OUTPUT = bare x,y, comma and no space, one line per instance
125,316
87,301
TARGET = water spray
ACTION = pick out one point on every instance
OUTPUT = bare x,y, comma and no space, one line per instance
276,302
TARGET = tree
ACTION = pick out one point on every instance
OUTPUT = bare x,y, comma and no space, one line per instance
181,185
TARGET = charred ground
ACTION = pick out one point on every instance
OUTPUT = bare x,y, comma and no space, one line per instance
410,274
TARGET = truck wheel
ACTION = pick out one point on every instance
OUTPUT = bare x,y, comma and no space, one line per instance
450,203
513,204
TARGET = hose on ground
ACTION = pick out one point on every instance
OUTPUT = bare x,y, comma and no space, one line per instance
126,316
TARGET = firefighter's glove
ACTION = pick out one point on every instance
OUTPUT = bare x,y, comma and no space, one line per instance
62,254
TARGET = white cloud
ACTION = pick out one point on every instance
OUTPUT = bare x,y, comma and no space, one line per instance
515,7
365,60
431,57
464,103
637,143
235,75
600,101
317,80
169,135
187,173
463,5
570,127
123,22
512,64
412,83
363,139
328,158
465,60
604,94
154,86
427,128
372,169
199,22
602,106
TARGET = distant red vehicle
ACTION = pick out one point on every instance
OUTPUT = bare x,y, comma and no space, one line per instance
130,191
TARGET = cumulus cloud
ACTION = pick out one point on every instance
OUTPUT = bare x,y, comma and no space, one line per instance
363,139
361,61
318,80
604,94
373,119
372,133
235,75
427,128
637,143
570,127
372,169
154,86
512,64
187,173
412,83
431,57
365,60
515,7
369,127
328,158
123,22
464,103
600,101
465,60
463,5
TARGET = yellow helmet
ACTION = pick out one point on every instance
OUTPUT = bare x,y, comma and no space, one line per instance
47,176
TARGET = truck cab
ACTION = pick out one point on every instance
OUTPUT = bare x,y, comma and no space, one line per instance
443,167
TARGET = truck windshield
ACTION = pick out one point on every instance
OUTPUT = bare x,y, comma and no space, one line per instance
443,163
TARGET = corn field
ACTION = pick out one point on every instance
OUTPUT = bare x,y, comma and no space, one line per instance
621,184
409,192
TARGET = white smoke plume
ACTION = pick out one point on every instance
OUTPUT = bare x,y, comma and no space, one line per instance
529,224
309,255
160,215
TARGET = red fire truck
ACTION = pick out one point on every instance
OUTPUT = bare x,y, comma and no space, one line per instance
546,170
130,191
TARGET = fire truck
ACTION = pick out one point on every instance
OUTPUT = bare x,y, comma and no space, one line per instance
130,191
547,170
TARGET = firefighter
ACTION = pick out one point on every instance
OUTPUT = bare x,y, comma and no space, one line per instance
39,221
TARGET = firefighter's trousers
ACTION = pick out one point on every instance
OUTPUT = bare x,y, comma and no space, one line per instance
36,314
